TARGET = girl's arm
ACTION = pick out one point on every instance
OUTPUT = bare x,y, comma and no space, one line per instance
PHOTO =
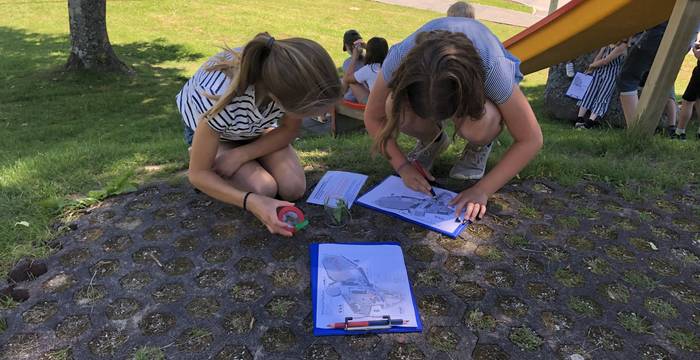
614,54
618,51
375,118
274,140
202,175
527,141
349,76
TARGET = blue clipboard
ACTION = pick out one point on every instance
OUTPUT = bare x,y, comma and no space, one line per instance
453,234
313,254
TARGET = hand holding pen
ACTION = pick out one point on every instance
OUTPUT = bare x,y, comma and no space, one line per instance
413,179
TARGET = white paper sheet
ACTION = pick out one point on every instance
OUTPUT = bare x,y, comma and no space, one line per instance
364,282
394,197
337,184
579,86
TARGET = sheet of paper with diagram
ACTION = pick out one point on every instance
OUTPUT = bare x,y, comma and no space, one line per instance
363,281
394,198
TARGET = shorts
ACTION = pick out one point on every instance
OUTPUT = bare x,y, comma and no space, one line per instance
189,134
639,60
692,91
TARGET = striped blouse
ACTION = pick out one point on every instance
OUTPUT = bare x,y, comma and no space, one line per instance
240,119
502,69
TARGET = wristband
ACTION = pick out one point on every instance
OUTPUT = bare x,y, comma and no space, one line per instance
245,200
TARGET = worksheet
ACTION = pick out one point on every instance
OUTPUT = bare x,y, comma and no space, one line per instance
394,198
337,185
362,281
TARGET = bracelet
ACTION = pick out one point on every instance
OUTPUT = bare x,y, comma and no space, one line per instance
245,200
402,166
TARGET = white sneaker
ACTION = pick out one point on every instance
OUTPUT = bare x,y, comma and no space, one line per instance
426,154
472,163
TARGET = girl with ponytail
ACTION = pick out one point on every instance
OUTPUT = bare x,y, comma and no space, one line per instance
251,102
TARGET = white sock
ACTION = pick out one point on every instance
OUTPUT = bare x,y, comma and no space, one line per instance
680,131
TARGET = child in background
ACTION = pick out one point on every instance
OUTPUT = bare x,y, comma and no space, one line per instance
690,96
242,156
605,69
361,80
350,39
452,68
461,9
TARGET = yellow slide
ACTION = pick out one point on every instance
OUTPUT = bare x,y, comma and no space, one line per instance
582,26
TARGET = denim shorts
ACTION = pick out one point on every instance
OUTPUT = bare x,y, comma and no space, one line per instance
189,134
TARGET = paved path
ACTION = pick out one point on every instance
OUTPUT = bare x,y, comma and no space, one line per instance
484,12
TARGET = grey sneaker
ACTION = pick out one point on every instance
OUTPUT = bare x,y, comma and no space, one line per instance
472,164
426,154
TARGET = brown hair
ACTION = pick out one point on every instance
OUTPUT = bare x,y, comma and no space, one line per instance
461,9
377,48
441,77
298,72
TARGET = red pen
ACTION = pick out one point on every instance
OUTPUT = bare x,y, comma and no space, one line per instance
367,323
423,173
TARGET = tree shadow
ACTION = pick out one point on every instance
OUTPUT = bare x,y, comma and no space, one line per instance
61,126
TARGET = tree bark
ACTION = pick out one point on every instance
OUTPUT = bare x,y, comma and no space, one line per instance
90,47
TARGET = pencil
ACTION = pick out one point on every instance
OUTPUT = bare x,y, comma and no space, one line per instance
420,169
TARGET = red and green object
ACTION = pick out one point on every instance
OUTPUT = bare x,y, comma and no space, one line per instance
292,216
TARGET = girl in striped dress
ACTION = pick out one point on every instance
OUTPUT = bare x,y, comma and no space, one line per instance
605,68
252,102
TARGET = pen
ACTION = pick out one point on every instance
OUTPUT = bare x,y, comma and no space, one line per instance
356,324
420,169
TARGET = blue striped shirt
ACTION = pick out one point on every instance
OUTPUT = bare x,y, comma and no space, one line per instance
240,119
502,69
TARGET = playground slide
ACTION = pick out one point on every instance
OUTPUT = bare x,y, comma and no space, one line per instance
582,26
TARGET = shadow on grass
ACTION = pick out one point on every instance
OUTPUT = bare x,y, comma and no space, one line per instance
68,133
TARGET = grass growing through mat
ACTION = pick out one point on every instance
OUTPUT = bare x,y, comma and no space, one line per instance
64,134
149,353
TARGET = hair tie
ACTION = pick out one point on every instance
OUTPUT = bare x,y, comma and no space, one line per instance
270,41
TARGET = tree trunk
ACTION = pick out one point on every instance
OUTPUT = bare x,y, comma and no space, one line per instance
90,47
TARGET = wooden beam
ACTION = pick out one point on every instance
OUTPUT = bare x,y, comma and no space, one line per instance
669,57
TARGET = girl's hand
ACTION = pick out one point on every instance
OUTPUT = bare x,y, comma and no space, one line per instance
265,209
471,202
356,51
414,180
229,162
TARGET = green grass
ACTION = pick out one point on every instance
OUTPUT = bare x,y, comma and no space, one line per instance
149,353
505,4
568,277
661,308
684,339
476,319
67,134
634,323
525,338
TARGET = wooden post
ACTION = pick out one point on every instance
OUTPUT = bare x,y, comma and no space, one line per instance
553,5
674,46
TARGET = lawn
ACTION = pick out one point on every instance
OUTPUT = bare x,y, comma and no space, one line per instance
64,135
